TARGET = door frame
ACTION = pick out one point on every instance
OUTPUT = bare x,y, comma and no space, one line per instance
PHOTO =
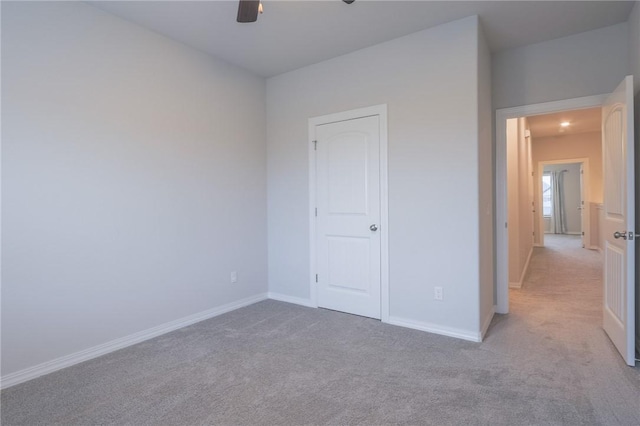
381,112
586,219
502,236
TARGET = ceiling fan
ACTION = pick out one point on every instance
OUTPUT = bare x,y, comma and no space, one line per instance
248,10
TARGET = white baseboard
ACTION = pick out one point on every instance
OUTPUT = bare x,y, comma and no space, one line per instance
401,322
114,345
290,299
573,233
524,271
487,322
436,329
526,266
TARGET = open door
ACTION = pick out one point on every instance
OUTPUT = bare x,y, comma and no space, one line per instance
619,219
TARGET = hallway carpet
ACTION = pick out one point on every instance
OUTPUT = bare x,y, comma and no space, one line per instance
548,362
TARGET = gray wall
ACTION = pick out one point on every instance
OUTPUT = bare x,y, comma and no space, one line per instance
131,182
589,63
429,81
634,44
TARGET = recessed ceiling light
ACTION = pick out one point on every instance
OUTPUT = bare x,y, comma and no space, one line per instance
565,124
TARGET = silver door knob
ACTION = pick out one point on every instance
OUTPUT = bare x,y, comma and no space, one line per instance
622,235
373,227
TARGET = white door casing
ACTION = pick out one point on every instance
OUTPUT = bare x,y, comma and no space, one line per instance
348,203
582,206
502,246
619,217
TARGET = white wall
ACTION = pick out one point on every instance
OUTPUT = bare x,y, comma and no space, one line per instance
513,216
589,63
486,180
520,216
429,81
132,184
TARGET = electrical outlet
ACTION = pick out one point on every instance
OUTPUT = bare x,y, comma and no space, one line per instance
234,277
437,293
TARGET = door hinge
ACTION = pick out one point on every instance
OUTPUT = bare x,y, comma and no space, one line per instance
630,235
505,224
315,145
316,212
316,277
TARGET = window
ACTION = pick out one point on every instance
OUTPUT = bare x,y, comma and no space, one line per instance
546,194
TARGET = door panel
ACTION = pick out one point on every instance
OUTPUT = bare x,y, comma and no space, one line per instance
348,264
347,175
348,216
619,217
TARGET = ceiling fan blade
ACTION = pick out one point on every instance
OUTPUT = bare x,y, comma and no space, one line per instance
248,10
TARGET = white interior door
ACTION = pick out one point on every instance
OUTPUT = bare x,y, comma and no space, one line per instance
619,219
348,216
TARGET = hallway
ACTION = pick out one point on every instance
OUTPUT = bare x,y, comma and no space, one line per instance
558,311
563,284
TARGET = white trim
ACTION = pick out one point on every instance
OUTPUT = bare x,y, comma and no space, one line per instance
123,342
502,244
487,322
526,266
290,299
524,271
384,215
473,336
381,111
313,294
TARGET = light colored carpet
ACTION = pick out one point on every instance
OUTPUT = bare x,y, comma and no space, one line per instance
548,362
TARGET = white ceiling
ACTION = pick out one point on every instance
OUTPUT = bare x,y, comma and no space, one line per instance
293,34
581,121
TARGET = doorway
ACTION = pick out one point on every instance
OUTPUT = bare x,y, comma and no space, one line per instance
618,208
550,187
503,257
565,201
348,212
